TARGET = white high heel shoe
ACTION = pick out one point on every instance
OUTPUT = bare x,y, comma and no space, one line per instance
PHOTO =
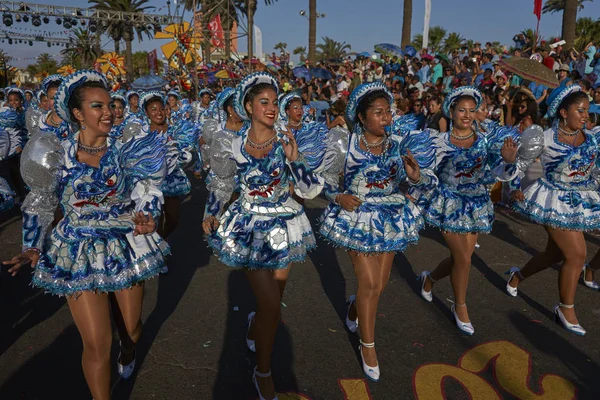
260,375
591,284
125,371
513,291
465,327
250,343
351,325
423,277
372,373
573,328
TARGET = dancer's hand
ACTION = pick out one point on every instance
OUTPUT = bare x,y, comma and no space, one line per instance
348,202
198,175
413,171
509,150
291,147
144,224
210,224
28,257
516,195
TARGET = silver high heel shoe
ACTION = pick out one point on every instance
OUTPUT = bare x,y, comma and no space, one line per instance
125,371
372,373
260,375
250,343
513,291
573,328
465,327
423,277
351,325
591,284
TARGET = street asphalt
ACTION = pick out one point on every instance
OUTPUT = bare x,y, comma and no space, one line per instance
193,343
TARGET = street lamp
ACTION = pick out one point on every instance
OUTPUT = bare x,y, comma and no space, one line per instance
318,15
312,28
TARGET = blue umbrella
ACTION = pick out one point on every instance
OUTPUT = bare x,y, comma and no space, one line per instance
389,49
364,54
411,51
320,73
301,72
148,82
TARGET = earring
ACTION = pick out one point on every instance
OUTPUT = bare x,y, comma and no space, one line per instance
83,128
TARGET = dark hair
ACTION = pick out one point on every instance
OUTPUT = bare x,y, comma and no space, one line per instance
367,101
287,106
53,85
228,103
532,111
595,118
152,100
121,101
76,99
256,90
571,99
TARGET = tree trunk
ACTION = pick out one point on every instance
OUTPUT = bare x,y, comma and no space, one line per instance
406,22
251,9
118,46
128,60
228,43
312,31
569,23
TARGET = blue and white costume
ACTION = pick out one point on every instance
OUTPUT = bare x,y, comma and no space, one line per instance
140,113
566,196
10,143
92,248
265,228
461,202
43,124
386,221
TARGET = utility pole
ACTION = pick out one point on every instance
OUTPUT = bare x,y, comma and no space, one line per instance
251,7
312,31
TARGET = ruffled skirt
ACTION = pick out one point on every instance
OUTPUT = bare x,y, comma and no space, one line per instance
101,264
373,227
455,212
176,184
262,241
561,209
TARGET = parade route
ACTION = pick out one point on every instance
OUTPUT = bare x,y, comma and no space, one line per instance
193,343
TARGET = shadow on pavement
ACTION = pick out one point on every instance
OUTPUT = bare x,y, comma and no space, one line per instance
546,341
236,363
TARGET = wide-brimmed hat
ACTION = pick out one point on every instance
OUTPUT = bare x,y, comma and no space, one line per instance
245,85
459,92
68,86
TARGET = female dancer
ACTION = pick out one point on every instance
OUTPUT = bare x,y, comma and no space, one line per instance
119,105
181,139
51,122
104,247
564,200
369,215
460,206
133,109
265,229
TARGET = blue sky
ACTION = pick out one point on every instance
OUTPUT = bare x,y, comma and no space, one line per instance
355,23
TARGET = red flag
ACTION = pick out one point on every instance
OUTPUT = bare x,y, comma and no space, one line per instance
152,57
217,37
537,8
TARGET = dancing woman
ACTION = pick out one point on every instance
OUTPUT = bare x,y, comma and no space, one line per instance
50,122
265,229
132,99
369,216
104,248
461,206
564,200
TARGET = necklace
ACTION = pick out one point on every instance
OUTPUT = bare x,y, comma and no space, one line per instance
567,133
294,126
263,145
383,143
93,150
457,137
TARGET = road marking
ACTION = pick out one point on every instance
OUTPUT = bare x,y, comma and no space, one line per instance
355,389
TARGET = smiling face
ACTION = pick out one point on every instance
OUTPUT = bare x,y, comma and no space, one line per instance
576,115
44,103
172,100
15,101
378,117
205,99
51,93
155,110
28,96
463,113
96,112
134,101
263,108
294,111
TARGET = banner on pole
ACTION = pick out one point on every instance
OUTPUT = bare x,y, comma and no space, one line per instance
217,37
537,9
152,59
258,53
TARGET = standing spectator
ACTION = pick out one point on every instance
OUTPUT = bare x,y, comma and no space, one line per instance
436,119
416,110
590,52
438,71
423,72
448,79
595,104
540,92
487,83
563,75
486,63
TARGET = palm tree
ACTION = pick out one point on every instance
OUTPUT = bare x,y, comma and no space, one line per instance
281,46
332,49
453,42
123,29
301,51
248,8
407,22
80,52
569,21
586,30
4,70
436,38
417,41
